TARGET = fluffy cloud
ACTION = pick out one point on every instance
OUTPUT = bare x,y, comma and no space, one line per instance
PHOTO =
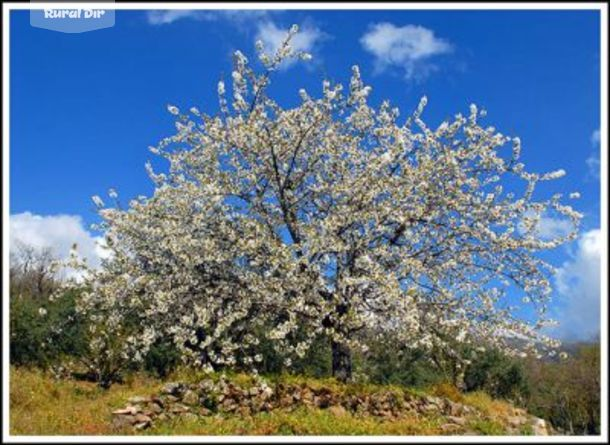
57,232
550,228
272,36
409,48
164,17
593,166
578,285
260,21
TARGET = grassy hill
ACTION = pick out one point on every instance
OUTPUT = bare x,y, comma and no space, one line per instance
43,405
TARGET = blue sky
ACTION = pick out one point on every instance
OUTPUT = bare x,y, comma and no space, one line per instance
85,107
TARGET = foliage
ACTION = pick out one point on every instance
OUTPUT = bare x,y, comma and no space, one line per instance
162,358
41,333
387,362
496,374
568,392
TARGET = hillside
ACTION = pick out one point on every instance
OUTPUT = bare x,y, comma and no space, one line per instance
187,404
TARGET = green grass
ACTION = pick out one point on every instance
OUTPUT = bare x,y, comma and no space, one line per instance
302,421
487,427
42,405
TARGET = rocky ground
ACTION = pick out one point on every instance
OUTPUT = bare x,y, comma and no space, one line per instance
222,397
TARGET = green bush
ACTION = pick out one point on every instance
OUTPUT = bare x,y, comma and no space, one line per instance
497,374
162,358
42,333
388,363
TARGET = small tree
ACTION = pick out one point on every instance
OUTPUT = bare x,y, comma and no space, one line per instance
31,273
327,218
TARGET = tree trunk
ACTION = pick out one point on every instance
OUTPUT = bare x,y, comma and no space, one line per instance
342,362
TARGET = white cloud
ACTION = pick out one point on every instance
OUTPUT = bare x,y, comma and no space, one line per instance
308,37
408,47
550,228
578,285
595,138
593,166
165,17
57,232
273,36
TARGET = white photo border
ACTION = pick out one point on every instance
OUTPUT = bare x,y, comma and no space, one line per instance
602,7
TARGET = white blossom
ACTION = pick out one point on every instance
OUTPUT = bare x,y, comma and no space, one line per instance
326,218
97,201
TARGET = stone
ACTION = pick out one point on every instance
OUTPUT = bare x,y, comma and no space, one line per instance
457,420
171,388
206,384
515,421
190,416
431,400
468,410
337,410
449,427
138,399
190,398
179,408
229,405
253,391
155,408
454,409
123,421
203,411
306,395
429,407
539,427
141,425
157,400
142,418
266,393
519,412
131,410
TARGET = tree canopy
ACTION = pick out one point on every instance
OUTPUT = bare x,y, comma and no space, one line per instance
330,218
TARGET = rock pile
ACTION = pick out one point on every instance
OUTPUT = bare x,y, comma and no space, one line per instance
209,397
